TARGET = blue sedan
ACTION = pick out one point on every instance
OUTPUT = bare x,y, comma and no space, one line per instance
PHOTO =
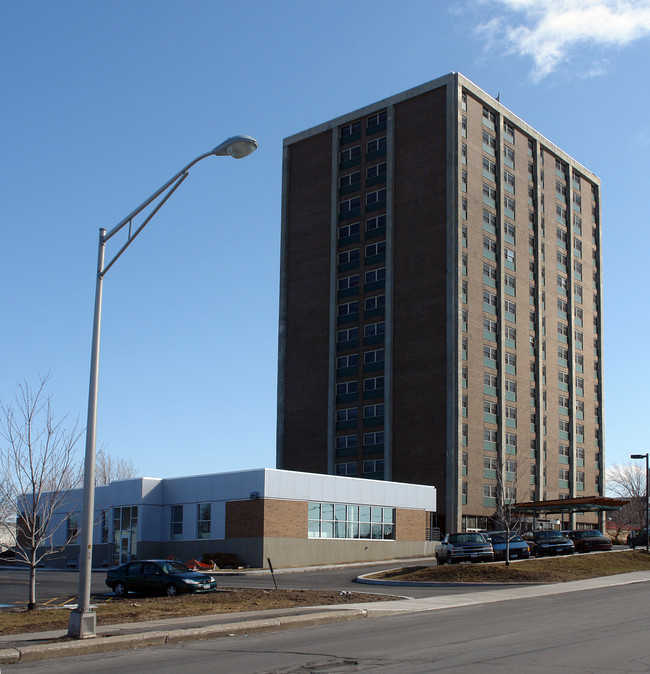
156,576
518,547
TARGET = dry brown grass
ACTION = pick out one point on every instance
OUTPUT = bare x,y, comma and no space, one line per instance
136,609
548,570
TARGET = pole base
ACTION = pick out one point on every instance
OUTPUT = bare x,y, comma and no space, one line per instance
82,624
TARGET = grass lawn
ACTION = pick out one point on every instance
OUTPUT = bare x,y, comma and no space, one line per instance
136,609
546,570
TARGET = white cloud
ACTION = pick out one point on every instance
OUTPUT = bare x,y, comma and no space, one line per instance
549,30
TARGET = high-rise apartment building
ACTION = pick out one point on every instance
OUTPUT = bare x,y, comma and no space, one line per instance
440,310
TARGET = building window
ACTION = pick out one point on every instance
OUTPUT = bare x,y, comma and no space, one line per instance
490,168
370,439
489,245
347,335
349,230
346,442
349,256
489,142
349,205
374,329
376,197
378,222
348,308
350,154
347,361
490,220
339,520
373,411
509,155
510,333
373,466
509,255
376,356
349,414
350,179
376,171
72,527
490,298
488,407
490,326
509,179
176,522
373,249
376,144
347,388
203,520
510,307
490,463
373,384
350,129
348,282
377,119
376,302
349,469
490,272
509,204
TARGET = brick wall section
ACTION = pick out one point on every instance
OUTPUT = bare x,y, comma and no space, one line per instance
410,525
245,519
266,518
285,519
419,302
307,306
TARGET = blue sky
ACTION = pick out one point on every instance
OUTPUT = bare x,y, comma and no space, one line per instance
102,103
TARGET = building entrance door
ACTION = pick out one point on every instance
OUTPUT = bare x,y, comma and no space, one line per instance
124,551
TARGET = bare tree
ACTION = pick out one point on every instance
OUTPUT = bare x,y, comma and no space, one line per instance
627,481
506,518
108,468
38,470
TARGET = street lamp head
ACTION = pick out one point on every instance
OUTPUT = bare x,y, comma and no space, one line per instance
237,147
638,456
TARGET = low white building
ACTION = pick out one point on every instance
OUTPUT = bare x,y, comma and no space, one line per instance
291,518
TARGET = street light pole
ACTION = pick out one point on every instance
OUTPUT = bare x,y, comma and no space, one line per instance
83,619
647,502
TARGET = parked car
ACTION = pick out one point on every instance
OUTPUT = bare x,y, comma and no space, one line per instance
518,547
464,547
548,542
589,540
156,576
635,538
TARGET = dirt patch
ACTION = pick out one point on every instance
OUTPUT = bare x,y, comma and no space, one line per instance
139,609
549,570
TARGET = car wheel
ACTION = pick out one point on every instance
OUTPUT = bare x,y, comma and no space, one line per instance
538,552
171,590
119,589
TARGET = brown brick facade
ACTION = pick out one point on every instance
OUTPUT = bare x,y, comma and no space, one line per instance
410,525
263,518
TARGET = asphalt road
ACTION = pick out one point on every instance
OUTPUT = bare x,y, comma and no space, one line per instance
601,631
56,588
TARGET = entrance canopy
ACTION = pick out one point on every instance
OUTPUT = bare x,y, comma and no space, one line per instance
582,504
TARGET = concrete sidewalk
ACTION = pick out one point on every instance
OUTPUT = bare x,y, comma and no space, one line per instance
45,645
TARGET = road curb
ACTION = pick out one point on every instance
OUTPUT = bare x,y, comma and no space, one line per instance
414,583
61,649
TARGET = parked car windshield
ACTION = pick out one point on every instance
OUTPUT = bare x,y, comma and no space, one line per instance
174,567
587,534
502,538
466,538
548,534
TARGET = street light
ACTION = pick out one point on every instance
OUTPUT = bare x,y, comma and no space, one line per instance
647,503
83,619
